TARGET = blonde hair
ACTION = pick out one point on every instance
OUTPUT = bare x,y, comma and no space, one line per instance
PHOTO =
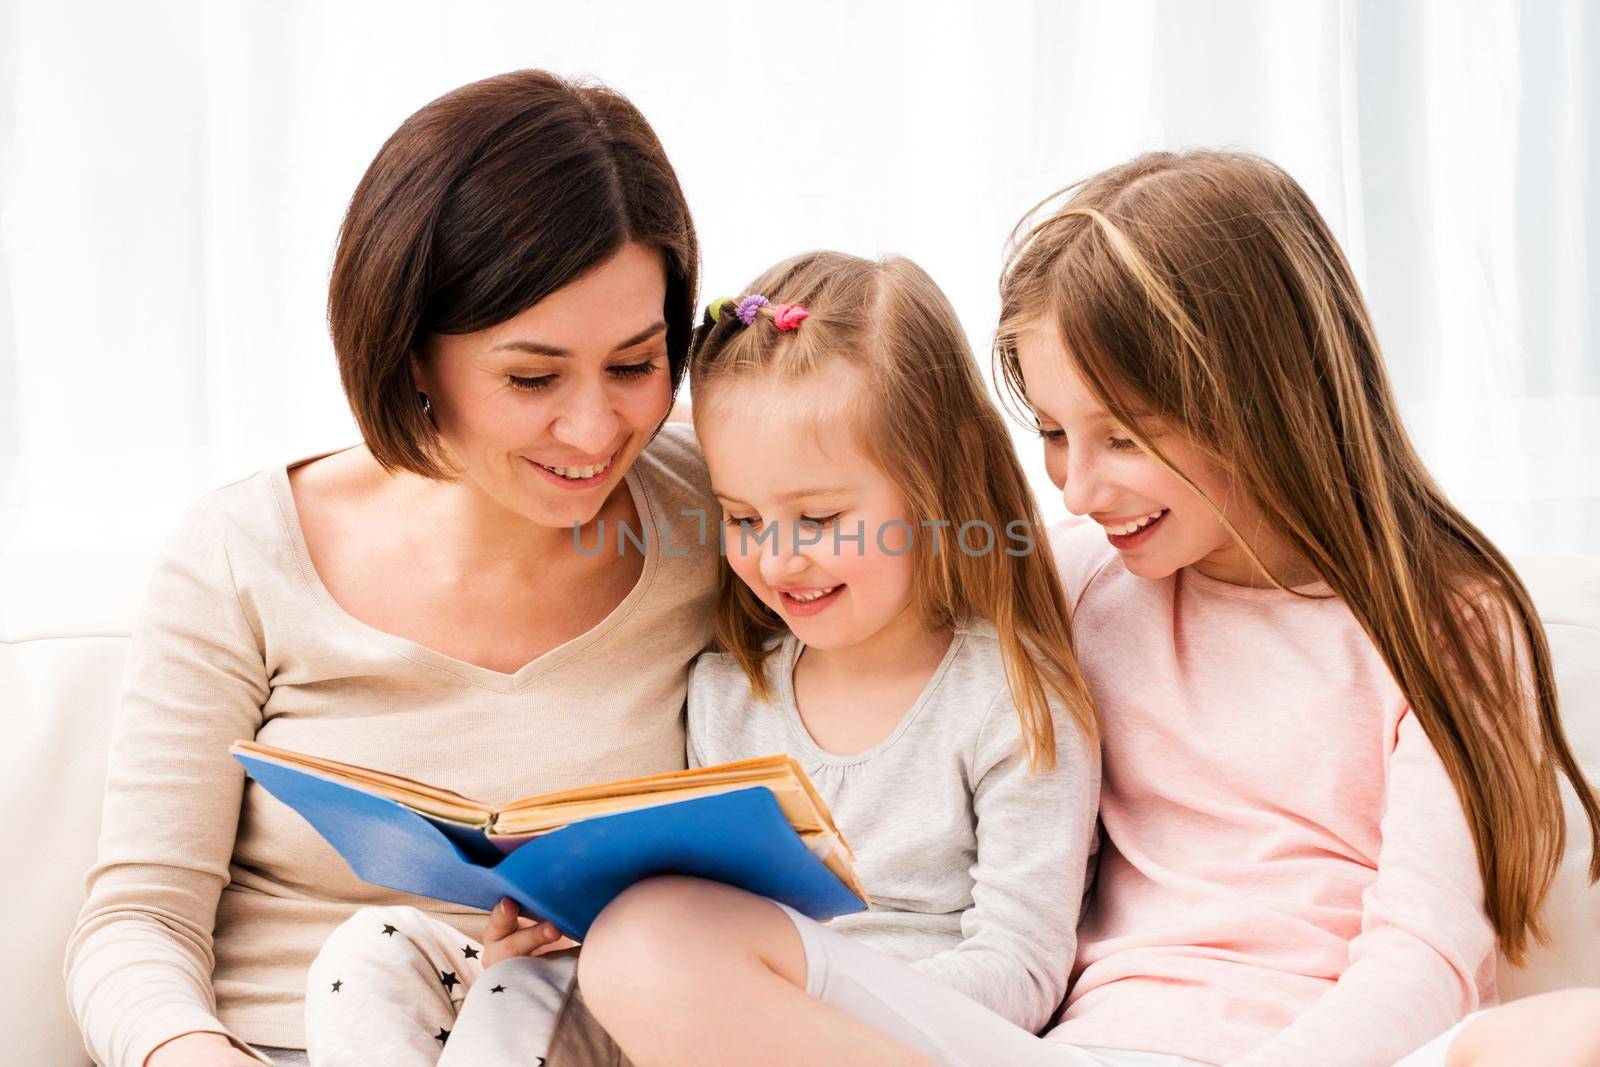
1206,288
922,416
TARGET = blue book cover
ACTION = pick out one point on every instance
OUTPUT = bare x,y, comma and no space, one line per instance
566,876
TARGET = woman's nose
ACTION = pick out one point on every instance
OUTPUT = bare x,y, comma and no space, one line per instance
588,422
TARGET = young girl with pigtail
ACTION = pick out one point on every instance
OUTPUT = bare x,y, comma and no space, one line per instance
1332,751
920,671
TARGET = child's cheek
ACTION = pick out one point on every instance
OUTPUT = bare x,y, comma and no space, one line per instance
745,562
846,557
891,539
1193,534
881,571
1055,467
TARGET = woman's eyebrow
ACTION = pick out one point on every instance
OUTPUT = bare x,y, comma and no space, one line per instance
539,348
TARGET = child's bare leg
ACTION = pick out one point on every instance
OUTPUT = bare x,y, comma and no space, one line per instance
684,972
1557,1029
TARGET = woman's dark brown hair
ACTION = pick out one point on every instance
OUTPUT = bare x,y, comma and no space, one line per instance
484,202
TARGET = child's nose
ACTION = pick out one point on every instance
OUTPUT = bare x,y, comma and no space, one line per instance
1084,491
783,563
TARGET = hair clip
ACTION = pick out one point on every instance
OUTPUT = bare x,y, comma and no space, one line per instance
715,308
787,316
749,306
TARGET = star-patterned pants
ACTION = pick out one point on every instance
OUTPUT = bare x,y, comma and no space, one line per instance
398,987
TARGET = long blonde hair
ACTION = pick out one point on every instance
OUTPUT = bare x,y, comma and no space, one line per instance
1206,288
922,415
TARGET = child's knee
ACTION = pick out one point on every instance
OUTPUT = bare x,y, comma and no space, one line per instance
642,938
639,939
619,935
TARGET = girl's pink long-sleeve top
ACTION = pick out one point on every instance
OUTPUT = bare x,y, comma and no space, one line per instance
1287,877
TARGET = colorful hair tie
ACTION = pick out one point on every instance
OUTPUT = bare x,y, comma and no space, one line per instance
749,306
716,307
787,316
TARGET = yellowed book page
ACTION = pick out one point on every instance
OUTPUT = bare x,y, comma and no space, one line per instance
835,855
419,796
792,800
802,805
750,770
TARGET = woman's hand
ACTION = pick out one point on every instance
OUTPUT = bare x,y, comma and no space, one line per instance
510,934
199,1050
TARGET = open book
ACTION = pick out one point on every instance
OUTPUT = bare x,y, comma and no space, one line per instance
757,824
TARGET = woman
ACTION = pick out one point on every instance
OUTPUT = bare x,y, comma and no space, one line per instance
452,599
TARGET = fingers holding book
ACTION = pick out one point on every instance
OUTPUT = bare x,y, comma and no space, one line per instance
510,933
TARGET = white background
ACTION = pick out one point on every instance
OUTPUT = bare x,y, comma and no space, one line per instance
172,176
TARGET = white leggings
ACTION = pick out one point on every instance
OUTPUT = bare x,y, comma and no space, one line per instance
397,987
953,1031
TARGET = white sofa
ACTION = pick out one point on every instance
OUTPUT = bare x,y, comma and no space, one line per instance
64,623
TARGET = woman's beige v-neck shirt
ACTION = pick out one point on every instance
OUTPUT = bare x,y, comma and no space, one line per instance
209,897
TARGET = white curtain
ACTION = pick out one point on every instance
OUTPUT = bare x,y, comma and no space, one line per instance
172,176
